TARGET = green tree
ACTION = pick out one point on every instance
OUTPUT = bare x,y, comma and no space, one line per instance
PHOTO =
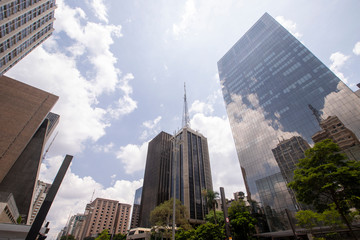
162,215
119,236
308,219
68,237
325,176
211,202
206,231
89,238
219,217
209,231
182,234
104,235
241,222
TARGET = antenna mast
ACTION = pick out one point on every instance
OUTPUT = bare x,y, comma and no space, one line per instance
186,119
50,145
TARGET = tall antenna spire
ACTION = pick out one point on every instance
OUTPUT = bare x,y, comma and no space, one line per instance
186,119
316,113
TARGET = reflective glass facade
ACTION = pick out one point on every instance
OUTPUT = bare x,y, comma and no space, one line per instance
271,85
24,24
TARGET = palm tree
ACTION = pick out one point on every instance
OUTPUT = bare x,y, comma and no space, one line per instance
211,202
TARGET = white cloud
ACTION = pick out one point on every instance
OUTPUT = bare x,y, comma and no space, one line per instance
356,49
338,60
75,192
152,128
81,117
201,107
104,148
289,25
99,9
196,15
151,124
187,18
133,157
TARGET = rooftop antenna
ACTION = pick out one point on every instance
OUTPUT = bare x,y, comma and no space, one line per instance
316,113
50,145
92,196
186,119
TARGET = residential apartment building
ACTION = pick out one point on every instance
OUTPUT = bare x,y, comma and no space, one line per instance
41,190
107,214
24,24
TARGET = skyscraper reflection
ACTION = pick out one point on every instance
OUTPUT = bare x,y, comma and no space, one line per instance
268,80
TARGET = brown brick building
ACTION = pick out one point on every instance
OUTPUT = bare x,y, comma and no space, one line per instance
25,127
108,214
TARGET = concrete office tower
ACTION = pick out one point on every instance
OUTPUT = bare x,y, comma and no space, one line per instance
41,190
136,209
75,226
268,79
189,150
108,214
193,172
24,24
24,128
156,186
287,154
8,210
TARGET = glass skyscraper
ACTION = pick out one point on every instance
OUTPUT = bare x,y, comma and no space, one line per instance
276,91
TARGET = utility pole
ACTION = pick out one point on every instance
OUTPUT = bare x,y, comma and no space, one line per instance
226,217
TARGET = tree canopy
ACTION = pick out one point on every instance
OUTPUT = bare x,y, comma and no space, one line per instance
162,215
211,202
241,222
104,235
325,176
219,217
67,237
206,231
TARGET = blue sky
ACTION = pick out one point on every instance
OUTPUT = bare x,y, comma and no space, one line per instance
119,69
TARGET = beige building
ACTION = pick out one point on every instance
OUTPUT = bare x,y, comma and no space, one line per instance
8,210
41,190
108,214
24,24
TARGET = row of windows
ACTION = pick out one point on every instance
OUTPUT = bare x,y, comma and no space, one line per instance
8,57
23,19
18,5
8,43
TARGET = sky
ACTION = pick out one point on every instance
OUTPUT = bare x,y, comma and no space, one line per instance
119,66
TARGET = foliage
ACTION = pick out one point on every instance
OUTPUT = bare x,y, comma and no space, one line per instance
211,202
19,220
219,216
206,231
209,231
182,234
104,235
162,215
241,222
89,238
119,236
308,219
325,176
67,237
